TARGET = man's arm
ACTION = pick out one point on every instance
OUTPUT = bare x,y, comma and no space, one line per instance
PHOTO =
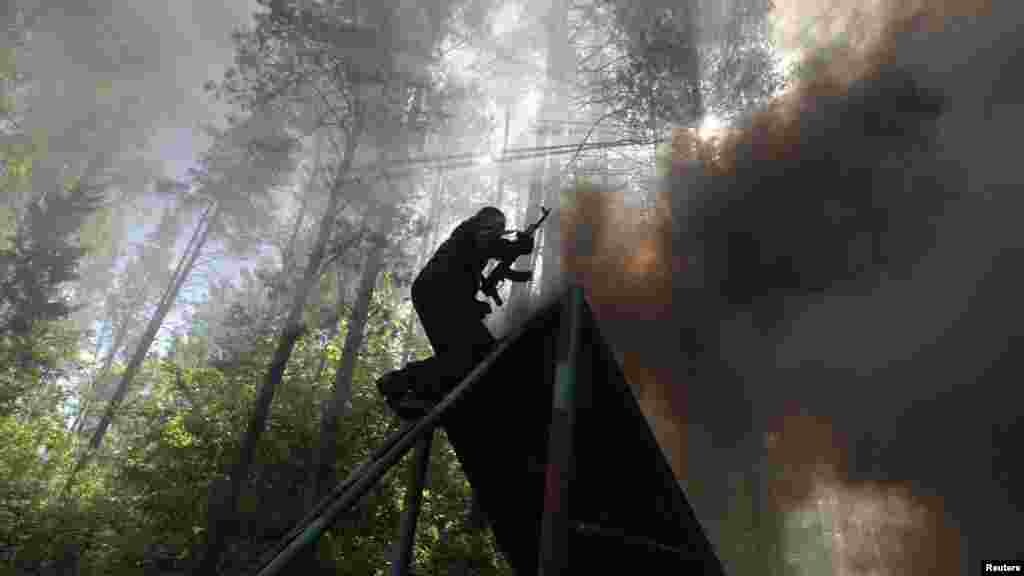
504,249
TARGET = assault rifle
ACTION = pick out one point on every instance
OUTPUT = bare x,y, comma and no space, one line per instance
504,269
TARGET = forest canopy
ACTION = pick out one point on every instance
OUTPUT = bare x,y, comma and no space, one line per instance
212,213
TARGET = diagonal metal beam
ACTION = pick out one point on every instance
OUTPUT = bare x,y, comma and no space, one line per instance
633,540
369,474
554,539
413,500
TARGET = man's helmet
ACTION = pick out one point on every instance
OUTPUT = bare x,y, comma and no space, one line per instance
489,223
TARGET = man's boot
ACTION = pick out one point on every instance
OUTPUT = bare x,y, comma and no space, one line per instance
399,391
392,385
412,406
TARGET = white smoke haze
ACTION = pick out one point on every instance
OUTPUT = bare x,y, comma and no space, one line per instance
122,82
141,65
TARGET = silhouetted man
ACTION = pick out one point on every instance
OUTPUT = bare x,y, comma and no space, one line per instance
444,295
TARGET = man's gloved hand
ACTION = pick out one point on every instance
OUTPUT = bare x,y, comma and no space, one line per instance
524,243
482,308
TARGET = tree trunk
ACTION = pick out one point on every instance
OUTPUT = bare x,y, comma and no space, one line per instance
338,309
98,379
324,476
561,64
310,183
323,461
224,498
520,298
185,265
434,220
692,14
290,261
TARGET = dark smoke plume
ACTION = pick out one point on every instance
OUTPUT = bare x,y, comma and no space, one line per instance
834,289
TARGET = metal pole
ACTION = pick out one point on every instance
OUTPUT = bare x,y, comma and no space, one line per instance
358,484
413,499
554,542
639,541
335,493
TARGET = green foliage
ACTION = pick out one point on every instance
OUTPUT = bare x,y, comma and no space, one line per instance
18,150
35,521
808,543
14,151
44,255
31,364
8,69
246,162
660,68
40,259
749,534
149,485
8,226
17,167
97,234
146,494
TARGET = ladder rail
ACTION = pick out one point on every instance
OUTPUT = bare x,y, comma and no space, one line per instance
337,492
360,482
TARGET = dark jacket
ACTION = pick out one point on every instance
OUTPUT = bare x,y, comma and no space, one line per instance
453,273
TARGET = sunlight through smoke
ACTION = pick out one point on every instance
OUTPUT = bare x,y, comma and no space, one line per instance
505,19
712,126
854,531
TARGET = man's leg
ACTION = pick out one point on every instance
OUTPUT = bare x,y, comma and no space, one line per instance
462,340
428,303
463,343
469,343
458,336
